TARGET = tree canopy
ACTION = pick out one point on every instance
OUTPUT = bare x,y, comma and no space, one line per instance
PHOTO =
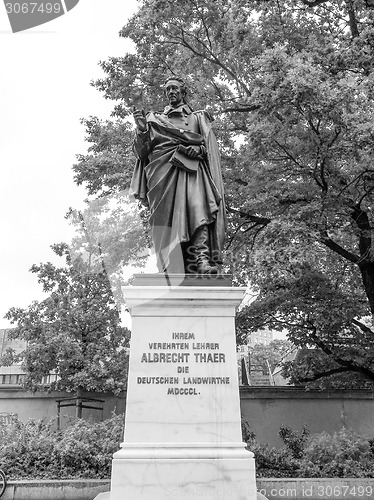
270,355
75,332
290,85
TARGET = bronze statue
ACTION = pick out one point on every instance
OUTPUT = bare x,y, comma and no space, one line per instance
178,176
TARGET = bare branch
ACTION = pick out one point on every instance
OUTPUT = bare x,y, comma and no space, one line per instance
362,326
327,373
349,365
352,181
335,247
286,323
235,233
241,109
323,177
313,3
252,227
213,58
288,154
261,228
204,24
365,195
246,215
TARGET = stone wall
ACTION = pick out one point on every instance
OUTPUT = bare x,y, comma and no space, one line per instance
14,400
264,408
267,408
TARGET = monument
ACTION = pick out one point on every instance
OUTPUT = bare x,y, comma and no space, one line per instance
178,176
182,436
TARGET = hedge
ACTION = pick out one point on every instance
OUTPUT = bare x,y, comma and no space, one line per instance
342,454
83,449
36,450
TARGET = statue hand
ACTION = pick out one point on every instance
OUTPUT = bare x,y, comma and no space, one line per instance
191,152
140,119
203,152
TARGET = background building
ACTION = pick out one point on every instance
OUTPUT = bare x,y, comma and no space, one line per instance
263,336
10,375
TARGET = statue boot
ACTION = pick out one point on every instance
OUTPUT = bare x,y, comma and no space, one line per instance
200,242
189,255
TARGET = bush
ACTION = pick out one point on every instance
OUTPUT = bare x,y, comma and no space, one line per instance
343,454
271,462
295,441
35,450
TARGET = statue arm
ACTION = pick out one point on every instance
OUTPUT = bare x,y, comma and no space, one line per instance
142,144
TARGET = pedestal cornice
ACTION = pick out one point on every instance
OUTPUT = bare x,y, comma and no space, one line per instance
183,301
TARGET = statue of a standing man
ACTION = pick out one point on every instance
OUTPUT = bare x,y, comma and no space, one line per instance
178,176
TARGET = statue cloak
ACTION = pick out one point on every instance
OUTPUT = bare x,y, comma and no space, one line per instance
179,201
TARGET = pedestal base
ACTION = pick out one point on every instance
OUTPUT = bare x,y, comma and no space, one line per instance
182,437
181,479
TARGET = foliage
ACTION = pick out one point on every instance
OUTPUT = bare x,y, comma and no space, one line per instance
75,332
83,449
294,441
270,355
343,454
111,230
284,462
309,362
112,225
273,462
35,450
291,86
247,434
106,168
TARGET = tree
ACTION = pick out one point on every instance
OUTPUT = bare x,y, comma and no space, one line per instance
314,369
75,332
291,86
111,231
271,355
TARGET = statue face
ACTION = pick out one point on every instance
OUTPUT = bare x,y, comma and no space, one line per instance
173,91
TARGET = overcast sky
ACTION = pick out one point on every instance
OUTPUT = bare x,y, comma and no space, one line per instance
45,90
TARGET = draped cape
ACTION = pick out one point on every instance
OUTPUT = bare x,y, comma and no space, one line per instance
179,201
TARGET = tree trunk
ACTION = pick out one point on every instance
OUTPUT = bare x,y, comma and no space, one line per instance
352,19
367,273
366,262
78,403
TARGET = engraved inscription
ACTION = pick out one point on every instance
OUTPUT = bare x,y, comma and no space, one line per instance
187,356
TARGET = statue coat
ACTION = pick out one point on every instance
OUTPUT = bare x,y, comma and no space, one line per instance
179,201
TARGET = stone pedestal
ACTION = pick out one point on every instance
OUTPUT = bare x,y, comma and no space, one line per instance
182,426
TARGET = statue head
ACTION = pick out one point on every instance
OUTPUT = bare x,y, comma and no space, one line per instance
175,90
